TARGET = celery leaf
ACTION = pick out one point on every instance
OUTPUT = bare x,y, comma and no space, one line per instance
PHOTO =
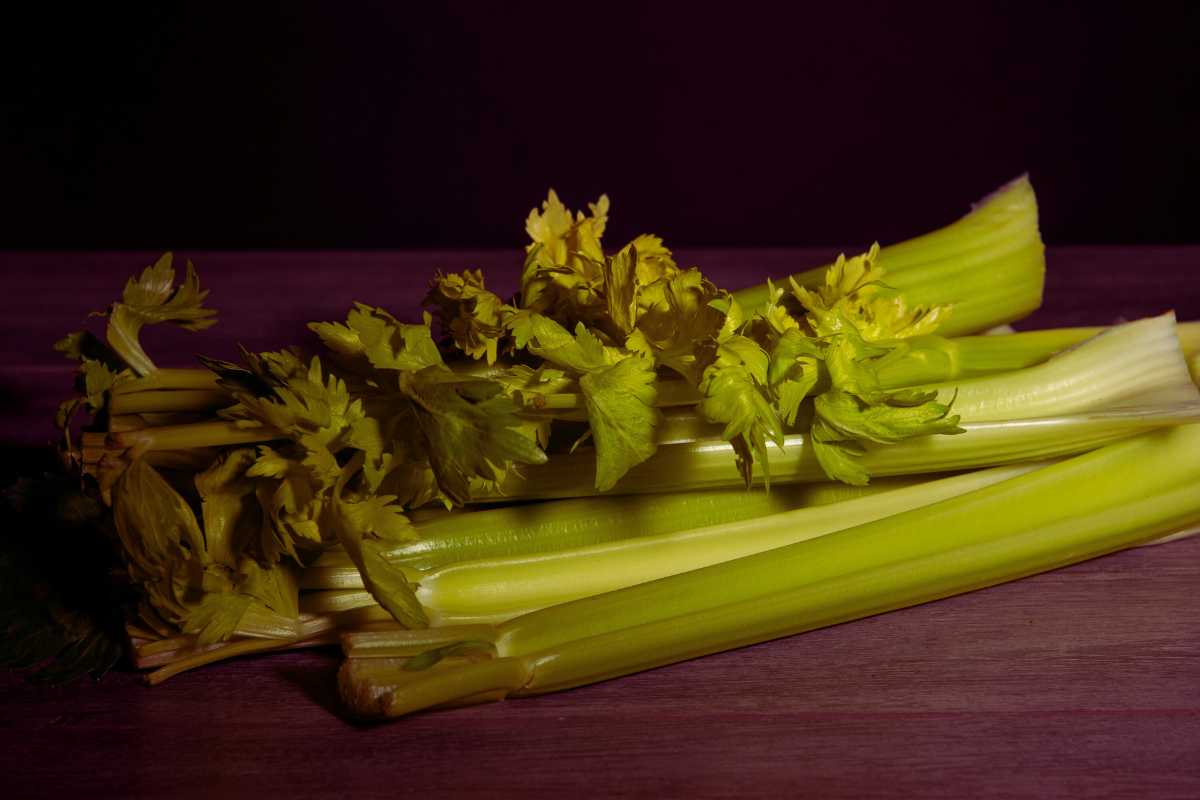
469,314
467,436
151,298
621,413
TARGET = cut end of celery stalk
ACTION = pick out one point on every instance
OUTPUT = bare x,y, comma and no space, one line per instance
1127,365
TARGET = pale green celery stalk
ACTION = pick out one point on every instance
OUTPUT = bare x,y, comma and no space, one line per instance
160,379
1128,365
930,359
935,359
1122,495
709,464
167,401
493,590
217,433
333,601
119,423
671,393
989,265
1189,339
537,528
685,425
1137,363
221,433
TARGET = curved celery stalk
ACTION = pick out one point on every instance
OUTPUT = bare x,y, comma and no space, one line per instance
709,463
989,265
1116,497
539,528
492,590
1127,365
177,654
169,379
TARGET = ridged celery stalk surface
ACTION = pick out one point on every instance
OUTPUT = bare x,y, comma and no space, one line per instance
989,265
1106,500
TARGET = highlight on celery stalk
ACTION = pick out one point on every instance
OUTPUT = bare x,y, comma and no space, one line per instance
1124,494
989,266
434,489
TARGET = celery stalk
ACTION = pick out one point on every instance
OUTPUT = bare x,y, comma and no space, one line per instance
333,601
555,525
935,359
539,528
1116,497
1126,365
161,379
500,588
709,463
203,434
169,401
989,265
923,359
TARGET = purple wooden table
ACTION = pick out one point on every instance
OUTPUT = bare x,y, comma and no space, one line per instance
1081,682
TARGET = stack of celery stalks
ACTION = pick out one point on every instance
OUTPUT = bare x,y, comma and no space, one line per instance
624,465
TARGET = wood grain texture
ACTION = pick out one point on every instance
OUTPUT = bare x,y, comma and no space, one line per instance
1083,682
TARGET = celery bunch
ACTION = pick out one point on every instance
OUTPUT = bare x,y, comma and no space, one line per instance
291,499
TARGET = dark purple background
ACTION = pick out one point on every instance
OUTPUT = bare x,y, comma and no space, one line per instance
440,124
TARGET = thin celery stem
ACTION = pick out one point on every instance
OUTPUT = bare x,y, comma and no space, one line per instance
333,601
934,359
169,401
201,434
168,379
709,463
233,650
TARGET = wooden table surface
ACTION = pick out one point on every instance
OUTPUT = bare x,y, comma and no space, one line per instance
1082,682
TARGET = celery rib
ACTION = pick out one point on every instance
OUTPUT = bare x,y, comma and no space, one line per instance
708,464
989,265
202,434
161,379
169,401
1116,497
560,525
492,590
1127,365
524,530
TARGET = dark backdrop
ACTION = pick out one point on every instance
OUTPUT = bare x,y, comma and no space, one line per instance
734,123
